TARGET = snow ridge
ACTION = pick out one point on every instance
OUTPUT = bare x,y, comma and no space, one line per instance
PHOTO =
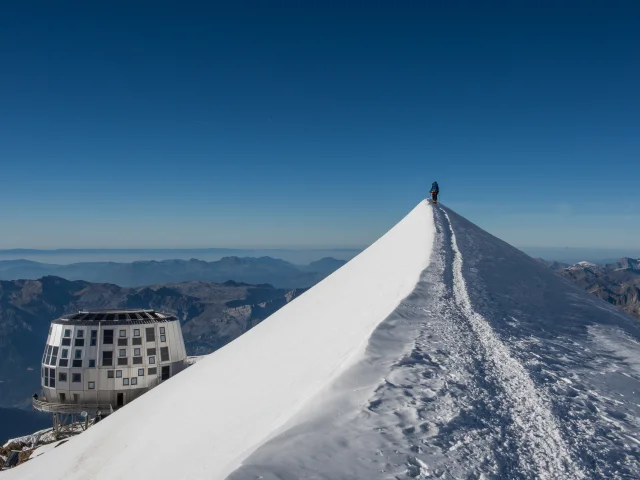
542,450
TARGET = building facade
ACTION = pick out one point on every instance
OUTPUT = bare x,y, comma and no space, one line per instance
110,357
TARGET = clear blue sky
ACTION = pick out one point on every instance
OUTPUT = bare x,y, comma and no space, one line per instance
233,124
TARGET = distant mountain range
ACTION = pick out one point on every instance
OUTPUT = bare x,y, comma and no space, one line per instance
211,315
252,270
617,283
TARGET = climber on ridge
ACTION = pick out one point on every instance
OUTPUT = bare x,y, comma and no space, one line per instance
434,192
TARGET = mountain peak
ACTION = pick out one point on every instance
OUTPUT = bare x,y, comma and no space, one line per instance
439,350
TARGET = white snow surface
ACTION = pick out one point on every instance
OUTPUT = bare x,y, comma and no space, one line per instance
439,352
204,422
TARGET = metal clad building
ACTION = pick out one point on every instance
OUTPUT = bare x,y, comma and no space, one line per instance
109,357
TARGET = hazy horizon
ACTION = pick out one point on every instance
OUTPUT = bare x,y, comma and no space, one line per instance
300,256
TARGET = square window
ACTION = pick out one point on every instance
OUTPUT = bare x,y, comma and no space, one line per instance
152,371
92,363
67,333
118,373
151,351
125,381
109,373
93,342
62,377
136,351
77,364
65,353
122,342
77,354
136,332
123,333
141,372
94,333
137,360
122,352
163,338
136,341
64,362
134,381
92,385
152,360
80,333
66,342
107,359
79,342
76,378
162,330
123,361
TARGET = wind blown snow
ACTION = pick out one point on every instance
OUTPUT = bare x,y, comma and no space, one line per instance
206,420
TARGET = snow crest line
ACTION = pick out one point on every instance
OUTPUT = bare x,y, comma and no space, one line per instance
542,448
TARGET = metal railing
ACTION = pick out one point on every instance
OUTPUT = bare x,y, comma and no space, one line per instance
90,408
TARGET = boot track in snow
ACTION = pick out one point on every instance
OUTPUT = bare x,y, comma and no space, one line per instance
541,449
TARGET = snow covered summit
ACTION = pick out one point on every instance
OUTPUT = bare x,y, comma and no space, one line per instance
438,352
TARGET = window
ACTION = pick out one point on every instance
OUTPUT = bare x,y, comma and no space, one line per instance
64,362
47,355
118,373
46,377
77,354
152,371
122,342
54,356
92,364
162,330
65,353
141,372
109,373
136,332
80,333
152,360
107,359
92,385
123,361
107,337
62,377
67,333
77,364
52,377
94,338
151,334
134,381
164,354
79,342
122,352
136,341
76,378
125,381
163,338
136,351
123,333
137,360
151,351
66,342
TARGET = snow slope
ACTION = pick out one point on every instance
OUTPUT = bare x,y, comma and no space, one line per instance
205,421
493,367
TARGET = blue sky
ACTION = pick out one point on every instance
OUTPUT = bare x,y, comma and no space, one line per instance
316,124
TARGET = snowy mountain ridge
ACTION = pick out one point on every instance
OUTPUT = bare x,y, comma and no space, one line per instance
438,352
